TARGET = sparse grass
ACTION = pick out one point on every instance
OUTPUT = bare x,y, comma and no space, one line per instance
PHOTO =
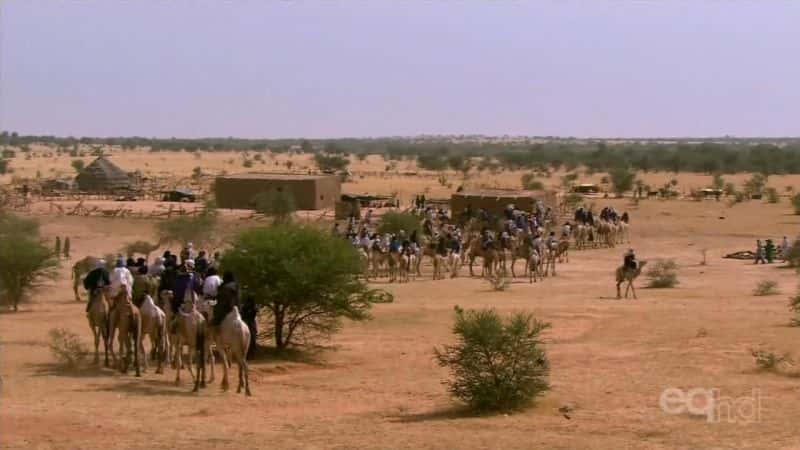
67,347
704,254
769,361
766,287
794,306
663,274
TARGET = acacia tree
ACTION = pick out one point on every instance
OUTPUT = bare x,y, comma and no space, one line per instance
304,278
621,180
278,205
199,230
25,261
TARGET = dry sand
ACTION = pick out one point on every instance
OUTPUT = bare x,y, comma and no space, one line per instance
379,387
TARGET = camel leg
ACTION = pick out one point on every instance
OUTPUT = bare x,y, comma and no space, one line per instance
178,363
619,294
633,289
137,343
110,347
211,362
471,260
96,343
225,366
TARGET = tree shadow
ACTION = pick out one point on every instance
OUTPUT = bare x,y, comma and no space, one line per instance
150,387
448,413
60,370
310,354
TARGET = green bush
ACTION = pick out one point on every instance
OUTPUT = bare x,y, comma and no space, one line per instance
622,180
328,163
772,195
530,183
78,165
663,273
393,222
200,230
755,185
431,162
25,261
304,278
496,364
278,205
796,203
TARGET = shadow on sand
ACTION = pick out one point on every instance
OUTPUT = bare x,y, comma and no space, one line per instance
450,413
150,387
59,370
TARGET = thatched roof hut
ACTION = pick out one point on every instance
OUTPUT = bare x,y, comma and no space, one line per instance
103,176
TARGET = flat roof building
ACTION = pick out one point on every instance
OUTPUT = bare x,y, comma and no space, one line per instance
309,192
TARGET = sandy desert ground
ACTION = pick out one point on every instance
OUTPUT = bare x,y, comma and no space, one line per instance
378,385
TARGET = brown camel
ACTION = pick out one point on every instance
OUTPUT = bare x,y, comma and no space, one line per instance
126,319
80,268
98,322
142,248
627,274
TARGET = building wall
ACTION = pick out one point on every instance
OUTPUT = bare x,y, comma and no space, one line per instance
308,194
329,190
494,204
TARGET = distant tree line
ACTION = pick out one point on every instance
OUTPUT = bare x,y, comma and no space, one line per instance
718,155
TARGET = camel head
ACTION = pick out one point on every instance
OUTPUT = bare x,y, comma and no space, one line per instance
642,264
166,296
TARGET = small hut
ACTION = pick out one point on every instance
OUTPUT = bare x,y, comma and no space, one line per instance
103,176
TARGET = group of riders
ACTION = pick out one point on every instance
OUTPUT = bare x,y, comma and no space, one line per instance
183,274
445,236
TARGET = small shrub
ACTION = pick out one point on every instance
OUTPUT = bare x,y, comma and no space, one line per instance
766,287
67,347
729,189
78,165
794,306
496,364
663,274
499,280
796,203
769,361
278,205
529,183
704,254
393,222
197,173
247,164
772,195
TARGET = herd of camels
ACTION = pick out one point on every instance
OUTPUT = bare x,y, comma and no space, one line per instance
109,317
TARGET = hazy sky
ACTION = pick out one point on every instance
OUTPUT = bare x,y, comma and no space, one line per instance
277,68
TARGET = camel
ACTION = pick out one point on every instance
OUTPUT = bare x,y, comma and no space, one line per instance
624,274
233,338
454,263
142,248
519,251
534,266
98,322
439,267
562,251
474,250
126,319
191,330
154,324
80,268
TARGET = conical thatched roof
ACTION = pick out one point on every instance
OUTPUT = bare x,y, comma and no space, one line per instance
102,175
